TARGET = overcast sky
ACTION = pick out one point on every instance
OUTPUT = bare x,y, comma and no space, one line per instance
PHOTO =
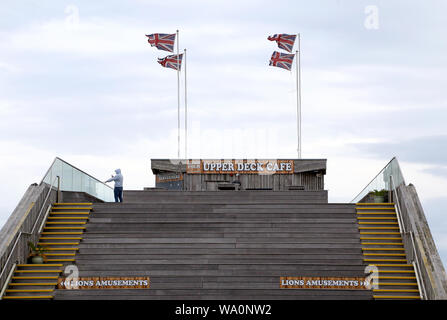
78,80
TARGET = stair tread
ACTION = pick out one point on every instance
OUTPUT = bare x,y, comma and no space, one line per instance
73,203
29,290
39,265
37,271
395,297
27,297
34,284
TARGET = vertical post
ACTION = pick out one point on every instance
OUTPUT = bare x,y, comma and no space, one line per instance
298,96
390,191
58,195
178,98
186,110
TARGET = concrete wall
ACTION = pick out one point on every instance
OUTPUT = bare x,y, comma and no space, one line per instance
414,220
74,196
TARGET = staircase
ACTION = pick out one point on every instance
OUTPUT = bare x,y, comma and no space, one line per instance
220,245
382,247
226,197
61,235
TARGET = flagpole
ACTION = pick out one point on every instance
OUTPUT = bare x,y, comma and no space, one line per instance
298,96
186,112
178,99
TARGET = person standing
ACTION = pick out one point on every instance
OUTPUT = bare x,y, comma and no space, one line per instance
118,189
237,183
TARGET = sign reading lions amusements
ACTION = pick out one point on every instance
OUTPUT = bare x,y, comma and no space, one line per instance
240,166
324,283
103,283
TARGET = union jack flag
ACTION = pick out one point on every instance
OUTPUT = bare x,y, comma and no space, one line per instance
162,41
173,61
284,41
282,60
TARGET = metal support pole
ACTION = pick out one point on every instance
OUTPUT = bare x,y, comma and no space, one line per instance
298,95
178,98
186,111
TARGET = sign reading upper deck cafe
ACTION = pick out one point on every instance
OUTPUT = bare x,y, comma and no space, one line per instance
240,166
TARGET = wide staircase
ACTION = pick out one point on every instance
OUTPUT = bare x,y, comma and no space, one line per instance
61,235
383,247
220,245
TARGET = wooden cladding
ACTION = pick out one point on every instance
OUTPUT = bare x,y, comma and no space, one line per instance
280,182
245,166
83,283
254,174
343,283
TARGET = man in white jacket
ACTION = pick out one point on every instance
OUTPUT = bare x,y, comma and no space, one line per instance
118,190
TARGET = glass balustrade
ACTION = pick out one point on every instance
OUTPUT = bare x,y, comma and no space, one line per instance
73,179
382,182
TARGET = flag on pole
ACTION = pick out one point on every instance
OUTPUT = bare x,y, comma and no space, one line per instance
162,41
173,61
284,41
282,60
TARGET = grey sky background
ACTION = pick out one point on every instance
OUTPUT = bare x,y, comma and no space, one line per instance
78,80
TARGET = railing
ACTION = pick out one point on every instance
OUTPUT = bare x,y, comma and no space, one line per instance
414,256
74,179
388,180
32,231
28,219
382,180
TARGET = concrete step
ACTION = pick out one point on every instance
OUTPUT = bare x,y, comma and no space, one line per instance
383,250
141,254
45,266
278,217
234,293
227,269
260,230
398,284
207,244
216,228
44,285
139,195
229,203
197,281
215,246
115,248
212,220
202,209
138,260
210,273
268,240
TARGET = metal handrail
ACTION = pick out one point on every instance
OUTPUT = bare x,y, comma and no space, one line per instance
46,198
397,205
415,261
418,268
34,225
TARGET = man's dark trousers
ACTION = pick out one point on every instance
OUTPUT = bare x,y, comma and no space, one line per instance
118,193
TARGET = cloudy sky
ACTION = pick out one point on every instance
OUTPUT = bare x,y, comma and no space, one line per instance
78,80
